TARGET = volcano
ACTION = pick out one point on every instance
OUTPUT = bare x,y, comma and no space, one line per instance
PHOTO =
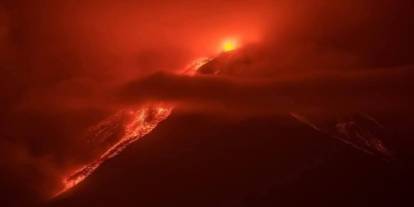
199,159
206,103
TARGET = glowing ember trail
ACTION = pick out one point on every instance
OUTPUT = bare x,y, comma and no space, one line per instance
139,122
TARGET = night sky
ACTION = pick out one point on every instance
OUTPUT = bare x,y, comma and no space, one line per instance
297,103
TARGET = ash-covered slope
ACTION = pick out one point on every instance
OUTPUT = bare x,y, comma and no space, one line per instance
355,128
198,160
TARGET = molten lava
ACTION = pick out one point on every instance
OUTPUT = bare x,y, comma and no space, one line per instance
139,122
229,45
143,121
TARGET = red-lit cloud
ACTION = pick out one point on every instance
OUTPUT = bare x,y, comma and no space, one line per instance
67,65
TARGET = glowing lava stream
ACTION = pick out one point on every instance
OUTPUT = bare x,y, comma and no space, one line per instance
146,119
141,122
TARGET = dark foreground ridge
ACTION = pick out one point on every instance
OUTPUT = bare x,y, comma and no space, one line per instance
265,161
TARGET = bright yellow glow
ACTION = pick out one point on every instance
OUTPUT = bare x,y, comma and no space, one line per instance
229,45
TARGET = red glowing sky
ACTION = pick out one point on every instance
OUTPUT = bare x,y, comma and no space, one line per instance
68,65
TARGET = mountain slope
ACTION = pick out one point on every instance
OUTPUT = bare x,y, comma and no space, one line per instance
195,160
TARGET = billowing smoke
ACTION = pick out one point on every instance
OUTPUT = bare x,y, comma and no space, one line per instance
318,92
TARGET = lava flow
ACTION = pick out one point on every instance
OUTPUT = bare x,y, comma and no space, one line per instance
144,120
140,122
